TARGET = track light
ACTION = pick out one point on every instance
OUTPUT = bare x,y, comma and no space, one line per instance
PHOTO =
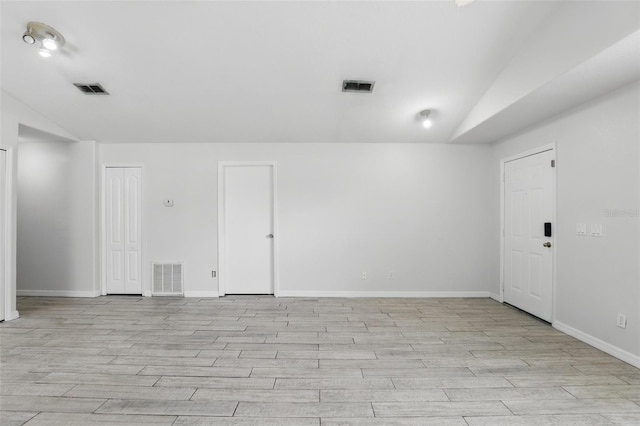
28,38
50,43
50,39
45,53
426,121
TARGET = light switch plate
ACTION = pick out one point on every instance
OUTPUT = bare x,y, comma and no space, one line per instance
581,229
596,230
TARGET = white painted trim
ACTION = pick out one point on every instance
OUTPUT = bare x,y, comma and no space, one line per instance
13,315
146,284
495,297
541,149
204,294
58,293
221,221
615,351
387,294
9,259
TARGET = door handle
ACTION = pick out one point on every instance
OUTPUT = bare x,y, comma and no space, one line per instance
547,244
270,236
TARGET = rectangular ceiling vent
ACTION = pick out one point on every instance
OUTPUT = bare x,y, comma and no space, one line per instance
91,89
358,86
167,279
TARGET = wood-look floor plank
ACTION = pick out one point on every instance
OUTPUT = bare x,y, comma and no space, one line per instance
260,360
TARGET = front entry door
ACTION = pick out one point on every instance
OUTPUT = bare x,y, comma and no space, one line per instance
123,223
529,204
246,228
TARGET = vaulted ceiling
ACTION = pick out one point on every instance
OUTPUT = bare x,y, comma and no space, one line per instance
266,71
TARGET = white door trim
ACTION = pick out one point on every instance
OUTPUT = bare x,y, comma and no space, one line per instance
146,287
221,221
543,148
9,294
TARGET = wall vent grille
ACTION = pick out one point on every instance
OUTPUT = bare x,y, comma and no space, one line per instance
358,86
167,279
91,89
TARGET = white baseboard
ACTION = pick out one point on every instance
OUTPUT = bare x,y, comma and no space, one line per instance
11,316
58,293
495,297
412,294
615,351
201,294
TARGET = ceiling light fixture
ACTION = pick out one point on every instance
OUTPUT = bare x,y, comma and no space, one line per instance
28,37
45,53
50,43
50,39
426,121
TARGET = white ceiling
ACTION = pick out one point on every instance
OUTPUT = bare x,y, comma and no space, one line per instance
265,71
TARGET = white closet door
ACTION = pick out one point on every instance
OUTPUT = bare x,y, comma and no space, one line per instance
123,224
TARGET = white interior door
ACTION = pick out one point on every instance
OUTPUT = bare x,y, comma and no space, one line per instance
123,223
529,204
247,250
3,237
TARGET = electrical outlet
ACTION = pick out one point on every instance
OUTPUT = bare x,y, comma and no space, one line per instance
364,275
622,321
390,275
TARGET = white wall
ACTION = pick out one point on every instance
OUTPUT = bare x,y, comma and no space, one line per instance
597,172
417,210
14,113
56,240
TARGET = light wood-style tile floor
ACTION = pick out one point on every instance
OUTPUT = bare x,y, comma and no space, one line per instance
265,361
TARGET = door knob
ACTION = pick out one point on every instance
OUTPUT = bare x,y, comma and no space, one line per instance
547,244
270,236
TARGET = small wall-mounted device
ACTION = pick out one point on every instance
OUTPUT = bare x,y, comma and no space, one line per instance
547,229
168,203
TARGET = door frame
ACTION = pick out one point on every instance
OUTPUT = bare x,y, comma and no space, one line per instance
146,286
222,283
6,286
503,161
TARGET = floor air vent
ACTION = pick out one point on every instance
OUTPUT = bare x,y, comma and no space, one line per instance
91,89
358,86
167,279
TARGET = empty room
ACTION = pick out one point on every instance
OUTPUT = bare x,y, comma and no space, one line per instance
320,213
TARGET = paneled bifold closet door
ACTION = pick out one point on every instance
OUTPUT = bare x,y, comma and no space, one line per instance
123,223
3,237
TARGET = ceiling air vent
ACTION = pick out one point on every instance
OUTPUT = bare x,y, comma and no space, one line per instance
91,89
358,86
